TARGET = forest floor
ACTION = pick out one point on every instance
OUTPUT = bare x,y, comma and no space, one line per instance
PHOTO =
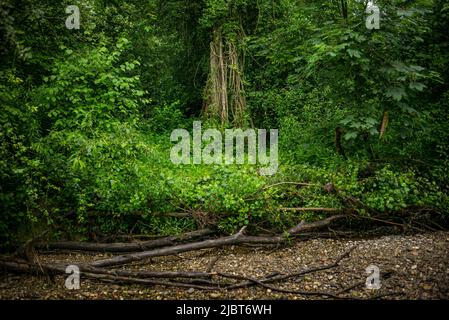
417,265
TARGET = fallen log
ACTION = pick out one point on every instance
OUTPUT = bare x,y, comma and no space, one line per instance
236,239
23,266
128,280
123,247
197,280
116,276
110,276
147,274
329,210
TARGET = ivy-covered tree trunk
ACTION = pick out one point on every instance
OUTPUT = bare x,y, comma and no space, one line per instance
224,93
216,98
236,87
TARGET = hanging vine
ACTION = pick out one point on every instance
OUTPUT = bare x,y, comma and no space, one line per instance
224,95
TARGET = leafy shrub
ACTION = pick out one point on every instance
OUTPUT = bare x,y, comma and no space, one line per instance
91,88
20,171
166,118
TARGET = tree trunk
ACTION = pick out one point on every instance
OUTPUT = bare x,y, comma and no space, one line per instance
224,92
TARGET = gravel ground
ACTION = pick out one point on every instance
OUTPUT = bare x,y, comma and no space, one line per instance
419,266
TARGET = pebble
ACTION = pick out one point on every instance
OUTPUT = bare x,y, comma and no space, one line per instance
427,286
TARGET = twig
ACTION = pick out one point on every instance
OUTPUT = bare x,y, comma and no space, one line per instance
302,184
263,284
388,222
212,264
282,277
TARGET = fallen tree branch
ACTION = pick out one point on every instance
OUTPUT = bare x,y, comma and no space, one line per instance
298,184
22,266
195,280
314,225
175,214
121,279
402,225
119,276
123,247
265,285
211,264
146,274
236,239
147,277
330,210
281,277
28,252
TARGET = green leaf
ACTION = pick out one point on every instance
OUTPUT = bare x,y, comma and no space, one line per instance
373,131
397,93
353,53
418,86
350,135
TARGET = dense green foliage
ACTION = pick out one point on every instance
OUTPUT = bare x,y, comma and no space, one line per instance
86,114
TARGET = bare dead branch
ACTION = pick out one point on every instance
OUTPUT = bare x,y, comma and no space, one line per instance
281,277
330,210
236,239
212,264
123,247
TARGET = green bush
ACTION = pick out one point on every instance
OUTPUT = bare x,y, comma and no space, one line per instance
20,171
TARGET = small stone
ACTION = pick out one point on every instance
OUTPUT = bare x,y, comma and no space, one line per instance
191,290
427,286
215,295
414,267
330,277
